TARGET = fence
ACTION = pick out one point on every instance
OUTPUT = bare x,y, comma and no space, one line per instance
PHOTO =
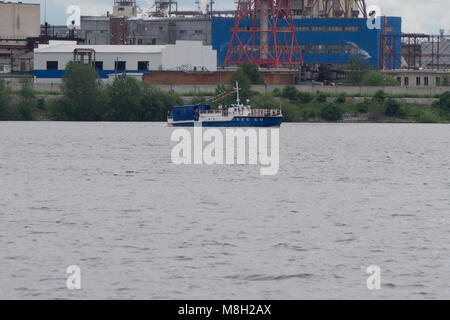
205,89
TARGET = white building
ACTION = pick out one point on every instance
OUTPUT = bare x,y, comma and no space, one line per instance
51,59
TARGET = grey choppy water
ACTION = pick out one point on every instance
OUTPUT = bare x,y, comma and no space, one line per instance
106,197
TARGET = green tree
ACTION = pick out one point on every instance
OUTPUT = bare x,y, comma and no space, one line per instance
342,98
125,97
379,97
332,112
252,72
363,106
394,109
84,96
321,97
27,103
265,101
305,97
355,69
290,92
444,102
221,89
291,112
197,100
155,104
378,79
5,100
276,92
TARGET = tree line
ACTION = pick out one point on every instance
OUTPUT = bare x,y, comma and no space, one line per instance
358,72
19,107
86,98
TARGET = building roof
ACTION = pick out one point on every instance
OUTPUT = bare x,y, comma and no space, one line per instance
70,46
95,18
9,3
417,72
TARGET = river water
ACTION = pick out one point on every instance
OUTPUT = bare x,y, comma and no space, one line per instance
107,198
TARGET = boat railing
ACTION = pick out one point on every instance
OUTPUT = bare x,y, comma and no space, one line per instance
266,112
211,111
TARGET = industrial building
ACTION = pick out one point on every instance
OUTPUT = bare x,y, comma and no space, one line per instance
420,78
168,30
51,59
121,30
21,32
19,20
95,30
328,32
421,51
18,23
328,8
323,41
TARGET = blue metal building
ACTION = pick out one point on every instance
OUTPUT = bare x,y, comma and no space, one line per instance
331,41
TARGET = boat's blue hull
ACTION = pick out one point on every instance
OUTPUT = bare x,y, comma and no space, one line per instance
237,122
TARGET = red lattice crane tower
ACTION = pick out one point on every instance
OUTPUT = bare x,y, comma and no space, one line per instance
264,34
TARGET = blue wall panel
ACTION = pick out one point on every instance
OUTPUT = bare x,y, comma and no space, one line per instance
57,74
366,41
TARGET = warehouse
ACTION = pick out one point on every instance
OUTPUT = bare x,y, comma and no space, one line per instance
330,41
50,60
327,34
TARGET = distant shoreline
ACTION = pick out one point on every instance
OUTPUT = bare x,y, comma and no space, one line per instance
393,121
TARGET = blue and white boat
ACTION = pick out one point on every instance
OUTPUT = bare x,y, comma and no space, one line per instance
234,115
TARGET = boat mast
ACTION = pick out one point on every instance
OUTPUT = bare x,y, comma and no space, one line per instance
237,93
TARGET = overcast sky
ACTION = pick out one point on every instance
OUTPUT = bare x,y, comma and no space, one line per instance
427,16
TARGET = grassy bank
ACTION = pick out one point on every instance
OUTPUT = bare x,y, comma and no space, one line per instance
301,107
319,107
85,98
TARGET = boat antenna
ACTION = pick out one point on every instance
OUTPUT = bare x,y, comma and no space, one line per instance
237,93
